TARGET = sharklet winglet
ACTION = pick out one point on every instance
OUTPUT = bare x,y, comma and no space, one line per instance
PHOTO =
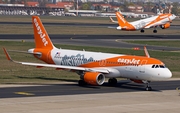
7,54
146,52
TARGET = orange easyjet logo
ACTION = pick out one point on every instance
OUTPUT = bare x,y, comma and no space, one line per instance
128,61
42,35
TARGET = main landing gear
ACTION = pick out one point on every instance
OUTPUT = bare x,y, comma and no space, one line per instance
112,81
142,30
154,31
82,83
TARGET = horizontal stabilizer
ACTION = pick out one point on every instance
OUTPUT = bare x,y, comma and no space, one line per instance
34,53
112,27
113,20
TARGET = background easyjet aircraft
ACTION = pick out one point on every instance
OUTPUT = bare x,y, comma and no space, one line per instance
162,20
94,67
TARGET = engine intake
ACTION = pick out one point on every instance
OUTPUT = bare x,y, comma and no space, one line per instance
94,78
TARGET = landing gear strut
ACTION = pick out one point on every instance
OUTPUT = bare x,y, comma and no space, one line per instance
112,81
148,88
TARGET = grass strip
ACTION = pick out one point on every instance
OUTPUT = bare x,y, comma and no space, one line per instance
166,43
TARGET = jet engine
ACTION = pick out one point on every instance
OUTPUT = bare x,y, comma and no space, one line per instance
94,78
165,26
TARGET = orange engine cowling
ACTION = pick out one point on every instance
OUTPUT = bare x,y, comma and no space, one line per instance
167,25
94,78
137,81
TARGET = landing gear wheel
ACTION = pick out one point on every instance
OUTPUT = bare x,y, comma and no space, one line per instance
82,83
148,88
112,81
154,31
142,30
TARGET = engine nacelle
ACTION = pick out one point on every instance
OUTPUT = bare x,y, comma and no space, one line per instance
94,78
165,26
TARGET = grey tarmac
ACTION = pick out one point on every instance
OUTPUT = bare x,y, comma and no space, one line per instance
165,101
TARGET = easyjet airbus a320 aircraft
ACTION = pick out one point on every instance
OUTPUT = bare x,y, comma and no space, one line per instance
94,67
161,20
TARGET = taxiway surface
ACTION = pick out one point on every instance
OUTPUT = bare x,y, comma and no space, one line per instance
104,99
73,89
115,41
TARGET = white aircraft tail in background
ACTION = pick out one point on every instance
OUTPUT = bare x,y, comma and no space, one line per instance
94,67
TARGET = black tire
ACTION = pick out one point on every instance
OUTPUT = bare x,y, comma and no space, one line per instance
82,83
142,30
148,89
155,31
112,81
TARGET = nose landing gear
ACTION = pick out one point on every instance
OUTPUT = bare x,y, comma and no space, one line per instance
148,87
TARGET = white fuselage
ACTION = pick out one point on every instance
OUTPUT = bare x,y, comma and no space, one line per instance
134,67
143,23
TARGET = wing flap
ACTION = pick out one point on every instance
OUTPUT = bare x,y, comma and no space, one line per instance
34,53
65,67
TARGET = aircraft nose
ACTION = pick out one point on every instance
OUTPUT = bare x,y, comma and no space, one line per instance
167,74
173,17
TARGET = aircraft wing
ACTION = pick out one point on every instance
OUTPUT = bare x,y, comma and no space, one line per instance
65,67
57,66
154,24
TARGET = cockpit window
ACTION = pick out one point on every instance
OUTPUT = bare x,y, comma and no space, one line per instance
161,66
158,66
153,66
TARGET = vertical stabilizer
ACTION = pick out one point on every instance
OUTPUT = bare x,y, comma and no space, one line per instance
121,20
125,25
41,37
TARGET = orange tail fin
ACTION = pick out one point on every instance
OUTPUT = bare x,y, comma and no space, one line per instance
41,37
125,25
121,20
